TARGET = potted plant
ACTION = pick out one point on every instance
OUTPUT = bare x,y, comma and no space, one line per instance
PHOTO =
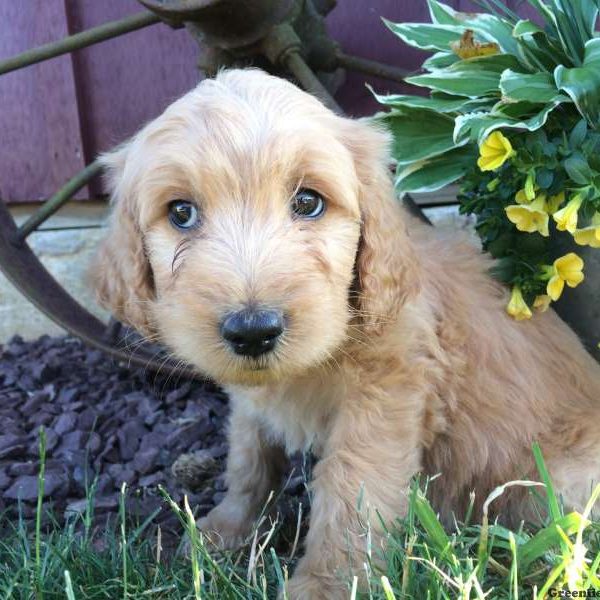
513,114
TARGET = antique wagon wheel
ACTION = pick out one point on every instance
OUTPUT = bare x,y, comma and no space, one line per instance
287,37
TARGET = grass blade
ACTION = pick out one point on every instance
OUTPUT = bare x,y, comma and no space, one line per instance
69,586
553,505
38,514
548,538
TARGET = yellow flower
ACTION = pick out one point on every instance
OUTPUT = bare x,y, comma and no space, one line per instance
553,203
521,197
494,152
517,307
566,269
529,217
542,302
566,218
589,236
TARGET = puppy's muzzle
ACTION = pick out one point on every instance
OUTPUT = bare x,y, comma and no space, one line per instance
252,332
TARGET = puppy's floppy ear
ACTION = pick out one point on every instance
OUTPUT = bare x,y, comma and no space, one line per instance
386,265
121,272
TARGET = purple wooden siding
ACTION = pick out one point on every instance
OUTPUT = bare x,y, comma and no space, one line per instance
57,115
40,136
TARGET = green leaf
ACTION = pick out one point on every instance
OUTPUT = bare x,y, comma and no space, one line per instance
442,104
473,77
587,16
440,60
559,28
541,53
418,133
429,521
525,27
539,87
426,36
490,28
578,134
477,126
548,538
578,169
546,13
493,29
575,22
501,245
441,14
582,84
535,48
544,178
435,173
504,270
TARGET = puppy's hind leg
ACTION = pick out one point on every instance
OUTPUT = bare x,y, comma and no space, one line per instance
254,468
575,473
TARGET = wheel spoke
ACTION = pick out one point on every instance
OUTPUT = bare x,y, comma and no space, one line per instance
61,197
78,40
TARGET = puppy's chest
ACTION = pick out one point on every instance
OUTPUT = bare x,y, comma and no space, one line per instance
297,416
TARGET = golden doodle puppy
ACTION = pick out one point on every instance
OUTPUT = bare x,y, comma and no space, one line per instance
257,235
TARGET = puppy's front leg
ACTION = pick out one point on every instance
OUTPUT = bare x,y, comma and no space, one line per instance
370,456
254,468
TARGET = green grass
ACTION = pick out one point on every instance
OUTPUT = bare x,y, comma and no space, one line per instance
80,560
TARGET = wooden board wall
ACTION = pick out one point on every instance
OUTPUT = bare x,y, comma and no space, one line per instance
58,115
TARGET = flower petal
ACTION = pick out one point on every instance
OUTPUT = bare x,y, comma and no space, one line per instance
542,302
521,197
517,307
555,287
588,236
574,279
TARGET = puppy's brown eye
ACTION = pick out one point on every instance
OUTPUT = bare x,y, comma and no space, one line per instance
183,214
308,204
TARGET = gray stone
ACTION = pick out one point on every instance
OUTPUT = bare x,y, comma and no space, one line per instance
25,487
65,423
145,460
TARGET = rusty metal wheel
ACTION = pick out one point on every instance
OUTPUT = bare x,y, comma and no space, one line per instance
288,37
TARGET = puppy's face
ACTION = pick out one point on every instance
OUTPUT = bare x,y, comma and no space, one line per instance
241,206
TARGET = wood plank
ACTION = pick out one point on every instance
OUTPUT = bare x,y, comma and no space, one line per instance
127,81
39,126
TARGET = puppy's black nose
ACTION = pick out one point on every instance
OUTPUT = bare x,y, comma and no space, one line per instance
252,332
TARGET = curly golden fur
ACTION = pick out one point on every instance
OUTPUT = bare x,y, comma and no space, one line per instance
397,356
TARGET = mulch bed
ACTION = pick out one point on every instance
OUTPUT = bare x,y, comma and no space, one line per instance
114,424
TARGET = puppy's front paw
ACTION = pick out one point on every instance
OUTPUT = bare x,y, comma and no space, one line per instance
224,528
310,587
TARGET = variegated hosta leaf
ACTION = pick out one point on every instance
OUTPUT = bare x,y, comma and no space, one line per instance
489,27
575,21
537,87
472,78
440,60
434,173
441,14
526,27
582,84
477,126
426,36
418,133
540,52
442,103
